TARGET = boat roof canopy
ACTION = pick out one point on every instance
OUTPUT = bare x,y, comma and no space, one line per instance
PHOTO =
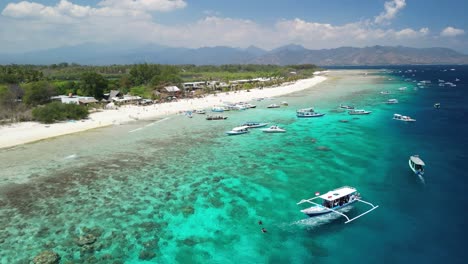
240,128
416,160
338,193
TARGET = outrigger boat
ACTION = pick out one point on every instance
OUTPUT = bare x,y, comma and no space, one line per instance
392,101
359,112
335,200
308,112
346,106
403,118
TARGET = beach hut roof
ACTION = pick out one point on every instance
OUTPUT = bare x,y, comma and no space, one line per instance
113,93
171,88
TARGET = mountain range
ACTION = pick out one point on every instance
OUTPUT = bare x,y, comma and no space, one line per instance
97,54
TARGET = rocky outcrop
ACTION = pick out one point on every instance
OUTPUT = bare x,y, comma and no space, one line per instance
47,257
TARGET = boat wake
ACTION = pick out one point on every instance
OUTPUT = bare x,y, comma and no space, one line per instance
140,128
71,156
422,178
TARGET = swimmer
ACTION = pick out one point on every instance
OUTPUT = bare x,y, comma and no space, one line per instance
264,230
260,222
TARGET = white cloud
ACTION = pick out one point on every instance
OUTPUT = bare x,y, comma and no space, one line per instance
28,26
391,9
451,32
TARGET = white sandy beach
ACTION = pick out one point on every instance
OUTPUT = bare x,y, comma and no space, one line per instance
26,132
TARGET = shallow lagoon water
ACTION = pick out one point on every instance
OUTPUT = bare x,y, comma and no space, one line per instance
180,191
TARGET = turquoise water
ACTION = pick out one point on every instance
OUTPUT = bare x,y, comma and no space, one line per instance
180,191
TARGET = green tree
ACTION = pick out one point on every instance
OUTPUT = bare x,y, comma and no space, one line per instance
36,93
93,84
143,73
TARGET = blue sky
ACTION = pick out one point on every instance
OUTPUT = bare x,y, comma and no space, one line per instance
315,24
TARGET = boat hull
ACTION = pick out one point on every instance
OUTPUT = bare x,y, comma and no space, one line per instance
309,116
230,133
326,211
416,172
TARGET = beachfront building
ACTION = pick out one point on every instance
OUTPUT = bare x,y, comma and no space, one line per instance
74,99
190,86
127,99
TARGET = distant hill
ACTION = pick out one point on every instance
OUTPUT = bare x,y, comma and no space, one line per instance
376,55
290,54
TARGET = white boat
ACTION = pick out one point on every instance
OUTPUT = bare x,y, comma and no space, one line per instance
254,124
238,131
284,103
247,105
359,112
437,105
273,106
402,88
457,80
308,112
392,101
403,118
417,166
333,201
217,109
188,114
274,129
200,111
385,92
346,106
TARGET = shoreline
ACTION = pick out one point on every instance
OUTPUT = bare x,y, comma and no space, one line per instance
28,132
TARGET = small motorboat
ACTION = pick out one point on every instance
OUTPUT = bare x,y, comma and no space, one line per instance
238,131
402,88
403,118
333,201
392,101
417,166
200,111
254,124
308,112
216,117
385,92
273,106
437,105
189,114
274,129
342,106
284,103
359,112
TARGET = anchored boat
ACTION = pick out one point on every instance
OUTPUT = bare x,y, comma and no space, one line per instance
254,124
392,101
274,129
308,112
335,200
359,112
238,131
403,118
219,117
342,106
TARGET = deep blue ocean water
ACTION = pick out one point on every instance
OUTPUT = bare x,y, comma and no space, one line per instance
180,191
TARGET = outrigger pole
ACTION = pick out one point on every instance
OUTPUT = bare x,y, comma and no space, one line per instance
335,211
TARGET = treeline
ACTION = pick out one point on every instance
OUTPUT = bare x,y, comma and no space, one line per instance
25,87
